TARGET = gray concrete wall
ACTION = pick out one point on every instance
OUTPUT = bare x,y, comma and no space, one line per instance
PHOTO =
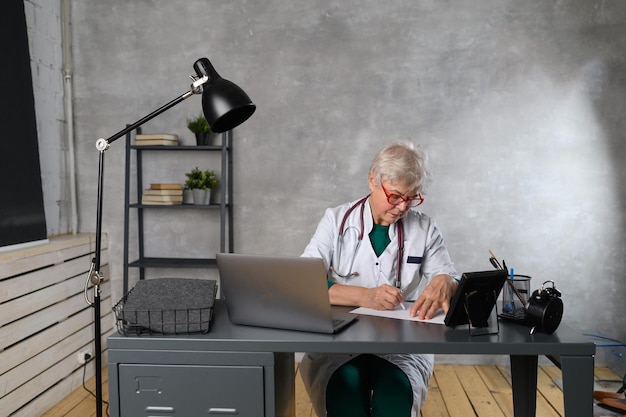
520,105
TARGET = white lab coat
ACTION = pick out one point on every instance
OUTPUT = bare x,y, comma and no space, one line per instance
425,256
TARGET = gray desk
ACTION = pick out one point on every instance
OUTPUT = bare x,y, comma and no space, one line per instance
238,369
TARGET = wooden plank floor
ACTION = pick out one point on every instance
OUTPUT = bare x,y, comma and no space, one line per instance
81,403
454,390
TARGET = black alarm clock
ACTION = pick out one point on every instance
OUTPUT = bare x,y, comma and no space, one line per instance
545,309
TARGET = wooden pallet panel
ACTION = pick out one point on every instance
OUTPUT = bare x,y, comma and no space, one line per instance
45,321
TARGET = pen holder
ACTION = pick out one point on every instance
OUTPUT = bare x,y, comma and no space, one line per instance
511,298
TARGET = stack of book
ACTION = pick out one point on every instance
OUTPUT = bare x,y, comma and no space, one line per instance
152,139
163,194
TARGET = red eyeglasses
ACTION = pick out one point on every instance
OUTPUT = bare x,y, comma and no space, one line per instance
396,199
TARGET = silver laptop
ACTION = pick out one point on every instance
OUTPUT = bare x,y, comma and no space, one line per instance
279,292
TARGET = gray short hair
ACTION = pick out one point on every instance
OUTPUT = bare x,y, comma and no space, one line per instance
401,162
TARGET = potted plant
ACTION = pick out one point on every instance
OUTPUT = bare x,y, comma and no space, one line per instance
199,126
210,182
210,179
200,183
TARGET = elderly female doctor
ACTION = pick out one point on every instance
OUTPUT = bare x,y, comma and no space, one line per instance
379,252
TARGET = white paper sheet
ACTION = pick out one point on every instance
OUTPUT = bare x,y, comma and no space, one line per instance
400,314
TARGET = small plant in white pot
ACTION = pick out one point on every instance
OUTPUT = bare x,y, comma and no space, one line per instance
200,183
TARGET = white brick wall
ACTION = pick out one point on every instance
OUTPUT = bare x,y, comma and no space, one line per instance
43,19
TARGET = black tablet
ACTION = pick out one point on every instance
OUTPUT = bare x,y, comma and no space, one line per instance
477,293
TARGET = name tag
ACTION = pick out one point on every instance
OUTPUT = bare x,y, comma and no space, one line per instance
414,260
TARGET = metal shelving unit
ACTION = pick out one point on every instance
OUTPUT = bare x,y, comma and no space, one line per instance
225,207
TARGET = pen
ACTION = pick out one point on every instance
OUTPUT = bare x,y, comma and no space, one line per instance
400,289
511,282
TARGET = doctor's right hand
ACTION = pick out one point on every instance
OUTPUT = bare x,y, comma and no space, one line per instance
385,297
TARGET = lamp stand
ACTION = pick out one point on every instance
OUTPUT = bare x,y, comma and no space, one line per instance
225,106
95,277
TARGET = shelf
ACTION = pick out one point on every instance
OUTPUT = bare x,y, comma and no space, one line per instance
178,148
225,210
148,262
179,206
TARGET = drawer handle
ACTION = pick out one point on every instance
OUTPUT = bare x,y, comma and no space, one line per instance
230,411
157,409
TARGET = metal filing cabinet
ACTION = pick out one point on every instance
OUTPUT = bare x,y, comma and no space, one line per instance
148,390
176,377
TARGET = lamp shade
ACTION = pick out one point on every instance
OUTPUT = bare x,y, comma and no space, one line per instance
224,104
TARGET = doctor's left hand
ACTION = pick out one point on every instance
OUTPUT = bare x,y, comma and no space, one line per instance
436,295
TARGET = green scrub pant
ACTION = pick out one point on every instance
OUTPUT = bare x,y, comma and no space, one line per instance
369,386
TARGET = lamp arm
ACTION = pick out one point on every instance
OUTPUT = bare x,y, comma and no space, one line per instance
103,144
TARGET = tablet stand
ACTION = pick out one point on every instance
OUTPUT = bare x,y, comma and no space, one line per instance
482,320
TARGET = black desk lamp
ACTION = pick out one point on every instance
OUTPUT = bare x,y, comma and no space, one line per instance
225,106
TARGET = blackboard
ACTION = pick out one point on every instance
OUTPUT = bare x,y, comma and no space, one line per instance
22,217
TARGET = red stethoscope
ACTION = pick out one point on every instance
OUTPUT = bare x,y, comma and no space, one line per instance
360,232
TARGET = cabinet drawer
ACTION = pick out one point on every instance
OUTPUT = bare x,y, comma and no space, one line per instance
182,390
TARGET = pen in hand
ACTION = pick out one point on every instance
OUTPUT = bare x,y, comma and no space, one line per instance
400,289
